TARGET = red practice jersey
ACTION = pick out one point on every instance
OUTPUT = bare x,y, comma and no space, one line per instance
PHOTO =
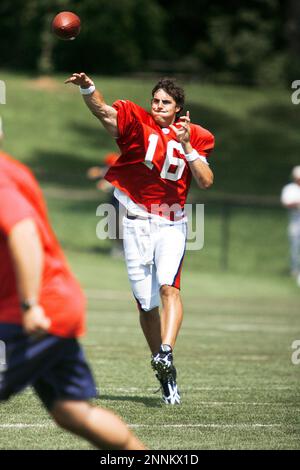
152,169
60,296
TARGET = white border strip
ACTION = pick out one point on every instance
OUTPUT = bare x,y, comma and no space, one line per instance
198,425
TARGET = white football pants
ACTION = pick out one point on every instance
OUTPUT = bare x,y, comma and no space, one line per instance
154,251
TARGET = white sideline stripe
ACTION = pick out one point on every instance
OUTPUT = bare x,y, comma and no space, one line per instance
22,425
242,426
198,425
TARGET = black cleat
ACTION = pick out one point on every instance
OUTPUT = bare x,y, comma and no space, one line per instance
162,363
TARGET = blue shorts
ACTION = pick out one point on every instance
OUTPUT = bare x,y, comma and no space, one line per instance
54,366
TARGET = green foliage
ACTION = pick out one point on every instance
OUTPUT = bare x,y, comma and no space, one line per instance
241,48
115,37
236,41
19,27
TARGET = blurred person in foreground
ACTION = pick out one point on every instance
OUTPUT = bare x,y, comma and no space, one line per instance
114,227
42,310
160,152
290,198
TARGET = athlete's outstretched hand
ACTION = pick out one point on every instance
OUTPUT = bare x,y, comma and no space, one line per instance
80,79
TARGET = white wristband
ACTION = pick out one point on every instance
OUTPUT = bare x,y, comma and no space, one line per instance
87,91
190,157
194,155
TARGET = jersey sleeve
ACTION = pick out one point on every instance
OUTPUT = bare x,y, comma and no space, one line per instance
13,209
202,140
130,115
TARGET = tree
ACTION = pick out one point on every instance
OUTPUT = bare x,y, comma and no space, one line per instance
116,36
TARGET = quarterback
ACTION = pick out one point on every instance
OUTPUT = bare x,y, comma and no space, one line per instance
160,153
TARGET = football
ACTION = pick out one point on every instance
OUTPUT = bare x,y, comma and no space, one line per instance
66,25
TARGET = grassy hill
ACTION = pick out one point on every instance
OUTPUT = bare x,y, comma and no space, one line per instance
257,138
257,142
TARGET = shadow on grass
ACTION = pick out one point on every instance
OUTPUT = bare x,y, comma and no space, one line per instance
62,169
69,169
95,137
88,249
149,402
255,154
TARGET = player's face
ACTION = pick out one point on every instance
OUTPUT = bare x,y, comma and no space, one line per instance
163,108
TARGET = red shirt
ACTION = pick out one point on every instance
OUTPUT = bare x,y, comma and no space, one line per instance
60,295
152,169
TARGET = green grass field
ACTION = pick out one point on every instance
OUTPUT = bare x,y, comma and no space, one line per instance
240,389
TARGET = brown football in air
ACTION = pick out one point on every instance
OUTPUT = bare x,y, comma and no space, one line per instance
66,25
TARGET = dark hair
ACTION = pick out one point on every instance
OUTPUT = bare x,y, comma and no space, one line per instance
170,87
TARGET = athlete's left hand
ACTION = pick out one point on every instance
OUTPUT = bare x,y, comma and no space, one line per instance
182,129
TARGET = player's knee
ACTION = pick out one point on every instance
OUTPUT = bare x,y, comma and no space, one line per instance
169,292
69,415
60,414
